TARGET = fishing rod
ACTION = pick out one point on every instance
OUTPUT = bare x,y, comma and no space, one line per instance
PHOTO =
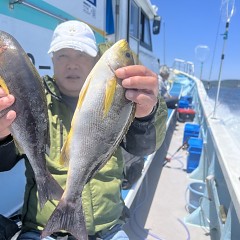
225,37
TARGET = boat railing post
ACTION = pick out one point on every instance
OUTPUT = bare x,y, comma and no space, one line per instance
225,36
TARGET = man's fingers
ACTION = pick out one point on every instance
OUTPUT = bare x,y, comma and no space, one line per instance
141,97
7,119
134,70
138,77
140,82
5,122
141,86
2,93
6,101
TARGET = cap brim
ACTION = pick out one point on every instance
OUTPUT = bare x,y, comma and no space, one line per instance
74,45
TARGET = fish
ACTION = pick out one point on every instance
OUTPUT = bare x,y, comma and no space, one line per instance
100,121
19,77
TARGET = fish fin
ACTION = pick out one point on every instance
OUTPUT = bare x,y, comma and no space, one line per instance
67,216
83,92
109,95
48,189
64,158
4,85
82,95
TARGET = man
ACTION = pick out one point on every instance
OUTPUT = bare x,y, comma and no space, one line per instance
171,101
74,53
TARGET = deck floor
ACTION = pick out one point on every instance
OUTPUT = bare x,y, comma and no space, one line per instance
160,207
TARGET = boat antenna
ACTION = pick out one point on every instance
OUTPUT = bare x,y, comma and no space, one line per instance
229,15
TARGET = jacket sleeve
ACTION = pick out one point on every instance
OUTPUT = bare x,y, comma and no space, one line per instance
146,135
8,154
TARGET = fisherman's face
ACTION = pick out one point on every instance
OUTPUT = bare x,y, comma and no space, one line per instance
71,68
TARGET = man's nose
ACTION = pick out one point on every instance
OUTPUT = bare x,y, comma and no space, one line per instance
73,65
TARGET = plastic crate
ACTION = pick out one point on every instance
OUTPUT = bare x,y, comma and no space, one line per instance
192,127
187,98
195,143
193,160
190,130
183,104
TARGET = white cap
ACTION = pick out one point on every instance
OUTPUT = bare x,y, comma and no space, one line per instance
76,35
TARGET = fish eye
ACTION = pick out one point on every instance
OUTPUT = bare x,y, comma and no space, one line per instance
128,55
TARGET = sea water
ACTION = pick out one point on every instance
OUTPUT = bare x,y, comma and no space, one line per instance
228,107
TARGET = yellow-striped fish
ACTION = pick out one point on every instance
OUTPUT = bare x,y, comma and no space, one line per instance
101,119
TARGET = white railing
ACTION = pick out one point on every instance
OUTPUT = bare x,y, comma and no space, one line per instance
219,167
185,66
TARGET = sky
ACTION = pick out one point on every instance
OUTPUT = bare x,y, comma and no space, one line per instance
193,31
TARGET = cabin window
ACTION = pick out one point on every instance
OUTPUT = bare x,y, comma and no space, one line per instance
134,20
145,32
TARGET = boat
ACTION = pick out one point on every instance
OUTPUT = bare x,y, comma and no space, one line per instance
185,191
39,18
202,201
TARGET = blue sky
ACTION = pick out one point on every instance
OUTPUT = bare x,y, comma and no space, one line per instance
190,23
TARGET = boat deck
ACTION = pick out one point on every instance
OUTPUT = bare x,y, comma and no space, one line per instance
159,210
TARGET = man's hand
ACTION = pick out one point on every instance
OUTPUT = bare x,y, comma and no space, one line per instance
142,87
6,120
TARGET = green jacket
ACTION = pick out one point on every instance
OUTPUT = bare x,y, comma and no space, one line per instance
101,197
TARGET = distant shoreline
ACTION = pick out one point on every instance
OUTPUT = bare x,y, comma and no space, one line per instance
230,83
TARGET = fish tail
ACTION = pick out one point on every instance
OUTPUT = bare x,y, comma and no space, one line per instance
48,189
67,216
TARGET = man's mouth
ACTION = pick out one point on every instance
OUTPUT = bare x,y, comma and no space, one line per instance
72,77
